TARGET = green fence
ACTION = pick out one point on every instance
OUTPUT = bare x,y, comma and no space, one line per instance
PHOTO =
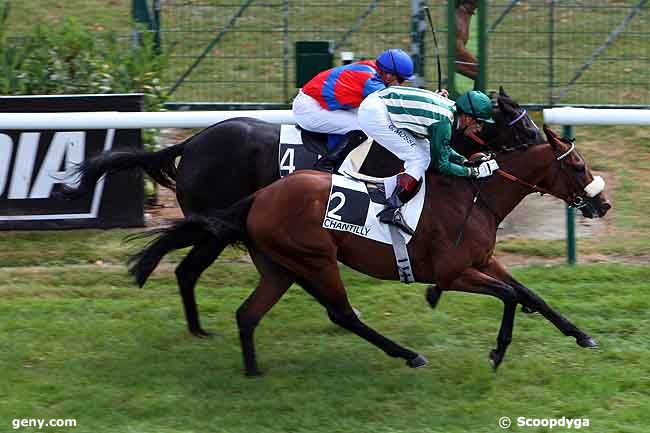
244,50
549,52
544,52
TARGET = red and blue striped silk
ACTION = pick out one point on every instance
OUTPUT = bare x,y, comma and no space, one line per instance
344,87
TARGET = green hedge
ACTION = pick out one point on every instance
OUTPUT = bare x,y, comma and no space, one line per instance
70,59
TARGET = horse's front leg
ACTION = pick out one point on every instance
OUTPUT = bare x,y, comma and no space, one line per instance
533,301
474,281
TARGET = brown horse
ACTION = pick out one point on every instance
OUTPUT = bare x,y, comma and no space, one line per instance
231,160
282,227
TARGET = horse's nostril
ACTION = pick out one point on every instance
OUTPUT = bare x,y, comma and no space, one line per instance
606,206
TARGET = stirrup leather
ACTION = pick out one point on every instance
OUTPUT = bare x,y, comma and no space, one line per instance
394,216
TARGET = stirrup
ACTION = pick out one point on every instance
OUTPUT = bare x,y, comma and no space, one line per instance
394,216
325,164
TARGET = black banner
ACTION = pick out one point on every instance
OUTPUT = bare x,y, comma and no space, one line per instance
33,164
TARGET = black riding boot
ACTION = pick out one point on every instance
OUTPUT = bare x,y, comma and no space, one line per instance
331,162
392,214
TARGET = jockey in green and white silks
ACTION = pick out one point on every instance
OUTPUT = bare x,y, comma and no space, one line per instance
416,125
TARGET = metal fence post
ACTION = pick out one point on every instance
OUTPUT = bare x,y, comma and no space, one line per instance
451,49
285,50
551,52
567,130
481,83
418,27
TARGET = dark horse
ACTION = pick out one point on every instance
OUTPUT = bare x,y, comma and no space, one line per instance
281,225
230,160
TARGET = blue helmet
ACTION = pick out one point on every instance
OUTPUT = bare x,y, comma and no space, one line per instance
396,62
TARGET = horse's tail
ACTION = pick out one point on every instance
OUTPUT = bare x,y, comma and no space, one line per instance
159,165
227,225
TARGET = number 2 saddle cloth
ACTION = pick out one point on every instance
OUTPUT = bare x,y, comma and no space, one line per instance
351,208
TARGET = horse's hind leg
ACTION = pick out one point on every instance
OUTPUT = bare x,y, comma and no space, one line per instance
326,286
274,282
188,273
534,302
474,281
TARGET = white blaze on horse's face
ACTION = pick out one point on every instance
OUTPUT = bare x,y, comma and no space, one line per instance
595,187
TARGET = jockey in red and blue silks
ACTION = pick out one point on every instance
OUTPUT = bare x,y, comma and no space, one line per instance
344,87
328,103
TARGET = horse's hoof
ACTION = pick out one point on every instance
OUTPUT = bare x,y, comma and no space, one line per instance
417,362
527,310
433,296
254,373
200,333
587,341
495,360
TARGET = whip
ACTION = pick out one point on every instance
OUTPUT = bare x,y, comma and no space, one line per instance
435,43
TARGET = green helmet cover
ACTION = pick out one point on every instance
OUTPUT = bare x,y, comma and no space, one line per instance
476,104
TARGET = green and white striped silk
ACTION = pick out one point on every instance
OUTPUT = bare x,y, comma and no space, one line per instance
416,110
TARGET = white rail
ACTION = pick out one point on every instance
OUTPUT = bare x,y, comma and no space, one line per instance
596,116
134,120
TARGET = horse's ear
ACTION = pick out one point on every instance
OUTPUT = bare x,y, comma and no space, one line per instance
494,99
502,92
500,103
553,139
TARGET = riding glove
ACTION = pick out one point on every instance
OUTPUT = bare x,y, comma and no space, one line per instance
485,169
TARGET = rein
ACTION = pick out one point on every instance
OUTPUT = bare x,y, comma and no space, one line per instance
577,201
476,138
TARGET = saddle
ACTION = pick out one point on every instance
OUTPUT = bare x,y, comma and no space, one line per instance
333,148
354,202
315,142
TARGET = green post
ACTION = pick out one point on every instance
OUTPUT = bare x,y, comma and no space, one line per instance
481,83
567,130
451,49
157,8
140,12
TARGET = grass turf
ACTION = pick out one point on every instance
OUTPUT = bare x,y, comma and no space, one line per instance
79,341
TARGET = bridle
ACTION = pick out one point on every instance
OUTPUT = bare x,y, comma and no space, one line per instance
575,200
518,118
512,123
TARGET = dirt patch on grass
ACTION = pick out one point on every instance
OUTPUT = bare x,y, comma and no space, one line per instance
545,218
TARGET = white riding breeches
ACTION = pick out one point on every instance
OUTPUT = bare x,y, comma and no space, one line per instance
374,121
309,114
